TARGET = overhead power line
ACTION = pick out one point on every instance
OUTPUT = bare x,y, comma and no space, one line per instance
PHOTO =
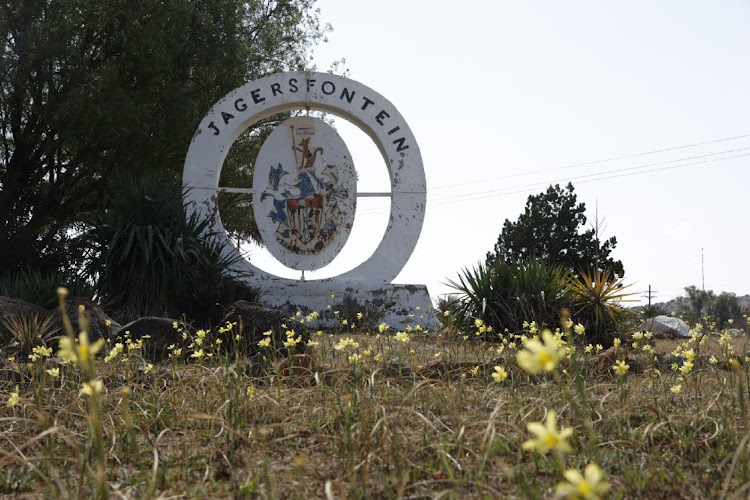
583,179
595,162
598,175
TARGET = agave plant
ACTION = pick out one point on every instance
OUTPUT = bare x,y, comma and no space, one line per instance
598,299
38,287
653,310
29,331
480,296
541,292
155,257
506,295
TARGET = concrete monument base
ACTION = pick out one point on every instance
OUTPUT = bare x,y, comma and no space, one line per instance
398,306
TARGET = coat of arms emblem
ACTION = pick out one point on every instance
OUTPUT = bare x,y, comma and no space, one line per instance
307,192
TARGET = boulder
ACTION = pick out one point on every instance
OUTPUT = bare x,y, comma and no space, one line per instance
396,368
665,327
97,318
157,334
256,319
299,370
605,360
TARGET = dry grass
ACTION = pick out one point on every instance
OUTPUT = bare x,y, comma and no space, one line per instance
359,430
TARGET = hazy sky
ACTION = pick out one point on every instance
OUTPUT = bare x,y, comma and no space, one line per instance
506,98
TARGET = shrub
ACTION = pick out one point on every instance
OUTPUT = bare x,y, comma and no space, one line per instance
156,260
653,310
505,296
38,287
597,299
29,331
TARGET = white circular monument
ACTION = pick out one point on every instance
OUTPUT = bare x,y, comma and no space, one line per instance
304,188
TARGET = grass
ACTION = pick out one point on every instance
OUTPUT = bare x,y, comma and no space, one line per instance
344,424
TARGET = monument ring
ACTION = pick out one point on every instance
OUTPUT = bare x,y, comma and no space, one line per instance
343,97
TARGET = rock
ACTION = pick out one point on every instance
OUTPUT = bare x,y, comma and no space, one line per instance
256,319
96,316
605,360
158,332
259,366
16,307
665,327
666,362
300,368
396,368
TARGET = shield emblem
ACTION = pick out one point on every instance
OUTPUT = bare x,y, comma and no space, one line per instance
307,185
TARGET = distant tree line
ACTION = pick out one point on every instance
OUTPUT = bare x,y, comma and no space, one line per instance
697,304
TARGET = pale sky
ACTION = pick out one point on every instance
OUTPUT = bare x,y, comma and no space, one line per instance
505,98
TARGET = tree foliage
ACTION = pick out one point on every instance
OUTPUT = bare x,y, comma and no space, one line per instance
698,303
550,229
90,88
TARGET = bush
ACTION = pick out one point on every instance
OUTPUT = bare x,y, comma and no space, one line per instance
505,296
156,261
39,287
597,299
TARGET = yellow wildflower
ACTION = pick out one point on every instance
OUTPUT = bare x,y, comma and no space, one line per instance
402,336
537,356
14,398
589,486
499,374
621,367
84,351
265,342
547,436
93,387
687,365
346,343
53,372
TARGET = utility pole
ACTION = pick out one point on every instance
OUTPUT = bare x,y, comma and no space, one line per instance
703,273
650,294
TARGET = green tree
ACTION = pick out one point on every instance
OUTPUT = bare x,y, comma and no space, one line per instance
550,229
725,307
88,88
696,304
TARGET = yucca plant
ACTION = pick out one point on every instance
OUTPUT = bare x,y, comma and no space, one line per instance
29,331
652,311
597,299
155,256
506,295
38,287
541,292
482,294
